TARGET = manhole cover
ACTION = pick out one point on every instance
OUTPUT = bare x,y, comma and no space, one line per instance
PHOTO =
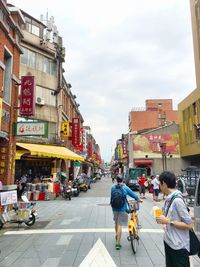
39,225
103,204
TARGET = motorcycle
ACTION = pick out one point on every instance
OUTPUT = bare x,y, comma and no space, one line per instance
66,191
81,183
22,212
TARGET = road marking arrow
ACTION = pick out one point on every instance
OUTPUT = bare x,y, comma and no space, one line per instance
98,256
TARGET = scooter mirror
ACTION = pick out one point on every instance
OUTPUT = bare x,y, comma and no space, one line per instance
25,199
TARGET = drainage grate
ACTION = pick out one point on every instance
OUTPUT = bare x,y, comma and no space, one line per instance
39,225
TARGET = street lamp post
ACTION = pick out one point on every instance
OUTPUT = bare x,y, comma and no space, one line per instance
164,158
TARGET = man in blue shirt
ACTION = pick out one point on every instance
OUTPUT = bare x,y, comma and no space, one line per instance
120,215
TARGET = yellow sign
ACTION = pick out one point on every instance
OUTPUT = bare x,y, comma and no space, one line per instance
65,128
120,151
1,107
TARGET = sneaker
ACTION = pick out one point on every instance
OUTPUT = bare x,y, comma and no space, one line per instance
118,246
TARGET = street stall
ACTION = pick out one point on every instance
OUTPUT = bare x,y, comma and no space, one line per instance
40,164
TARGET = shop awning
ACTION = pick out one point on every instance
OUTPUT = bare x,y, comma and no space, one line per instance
20,152
50,151
145,162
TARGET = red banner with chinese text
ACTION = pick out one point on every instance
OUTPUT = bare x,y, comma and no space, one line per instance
27,99
80,146
89,149
75,132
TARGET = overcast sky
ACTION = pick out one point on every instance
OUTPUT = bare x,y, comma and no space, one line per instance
120,53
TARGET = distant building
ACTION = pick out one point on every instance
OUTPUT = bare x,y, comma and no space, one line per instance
156,149
157,112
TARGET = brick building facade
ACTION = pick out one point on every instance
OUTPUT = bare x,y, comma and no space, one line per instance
157,112
10,50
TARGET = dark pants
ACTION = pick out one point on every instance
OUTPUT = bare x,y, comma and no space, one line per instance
176,258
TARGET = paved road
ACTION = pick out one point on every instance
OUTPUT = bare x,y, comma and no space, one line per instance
67,231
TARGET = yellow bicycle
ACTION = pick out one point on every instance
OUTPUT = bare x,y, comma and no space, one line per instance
133,225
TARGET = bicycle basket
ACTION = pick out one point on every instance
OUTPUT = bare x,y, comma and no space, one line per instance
133,206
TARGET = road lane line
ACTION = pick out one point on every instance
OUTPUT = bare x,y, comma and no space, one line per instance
85,230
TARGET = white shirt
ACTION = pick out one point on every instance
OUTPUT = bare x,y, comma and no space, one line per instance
155,183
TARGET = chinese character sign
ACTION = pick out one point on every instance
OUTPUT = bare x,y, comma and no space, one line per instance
89,149
65,128
27,100
75,132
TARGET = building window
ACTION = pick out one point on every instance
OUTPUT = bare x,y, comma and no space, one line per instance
28,58
32,29
1,15
7,77
39,62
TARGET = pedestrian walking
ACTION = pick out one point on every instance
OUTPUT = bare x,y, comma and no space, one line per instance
176,223
118,202
142,181
156,187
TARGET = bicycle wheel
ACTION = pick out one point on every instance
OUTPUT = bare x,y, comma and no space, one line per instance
134,241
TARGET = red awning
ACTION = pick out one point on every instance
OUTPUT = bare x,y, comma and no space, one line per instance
145,162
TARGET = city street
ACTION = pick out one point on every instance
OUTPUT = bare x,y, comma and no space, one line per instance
67,231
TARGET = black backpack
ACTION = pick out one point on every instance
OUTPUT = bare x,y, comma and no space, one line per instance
117,197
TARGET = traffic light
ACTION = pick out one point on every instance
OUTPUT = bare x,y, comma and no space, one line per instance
65,128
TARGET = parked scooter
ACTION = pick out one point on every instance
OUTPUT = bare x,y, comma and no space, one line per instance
81,183
75,189
23,212
66,191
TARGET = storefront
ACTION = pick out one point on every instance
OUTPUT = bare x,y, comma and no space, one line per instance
43,159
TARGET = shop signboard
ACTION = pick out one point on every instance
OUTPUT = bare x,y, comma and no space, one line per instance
75,132
65,128
89,149
153,144
27,100
31,129
8,197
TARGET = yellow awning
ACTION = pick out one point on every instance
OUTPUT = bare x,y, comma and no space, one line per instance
20,152
50,151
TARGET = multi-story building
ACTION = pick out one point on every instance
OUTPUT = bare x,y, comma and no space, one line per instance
10,38
189,108
157,112
43,57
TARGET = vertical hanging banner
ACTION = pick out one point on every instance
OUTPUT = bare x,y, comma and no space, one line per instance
27,100
75,132
89,149
125,146
120,151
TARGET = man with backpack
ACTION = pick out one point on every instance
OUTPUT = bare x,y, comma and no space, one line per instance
118,203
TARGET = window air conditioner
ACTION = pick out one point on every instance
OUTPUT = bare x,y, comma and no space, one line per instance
40,101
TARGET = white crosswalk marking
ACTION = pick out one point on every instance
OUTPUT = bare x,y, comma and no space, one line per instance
98,257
